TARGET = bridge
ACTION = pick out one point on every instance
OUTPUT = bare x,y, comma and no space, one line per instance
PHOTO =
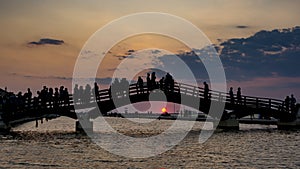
286,116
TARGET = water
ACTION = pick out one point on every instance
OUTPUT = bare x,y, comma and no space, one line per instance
55,145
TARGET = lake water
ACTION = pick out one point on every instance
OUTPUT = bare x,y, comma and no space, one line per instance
54,144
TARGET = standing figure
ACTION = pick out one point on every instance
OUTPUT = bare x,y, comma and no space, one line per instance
140,85
231,95
56,98
161,83
239,96
206,91
287,103
168,82
87,93
293,103
96,91
148,82
153,80
76,94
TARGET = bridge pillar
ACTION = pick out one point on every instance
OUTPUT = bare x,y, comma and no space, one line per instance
3,127
84,125
290,125
230,124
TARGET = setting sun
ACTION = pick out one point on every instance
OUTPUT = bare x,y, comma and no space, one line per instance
164,110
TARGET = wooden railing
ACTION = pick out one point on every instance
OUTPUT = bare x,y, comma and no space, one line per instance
134,89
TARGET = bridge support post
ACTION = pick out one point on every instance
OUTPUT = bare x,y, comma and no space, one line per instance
4,129
230,124
84,125
290,125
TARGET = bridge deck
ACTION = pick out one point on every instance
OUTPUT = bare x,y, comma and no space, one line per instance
106,100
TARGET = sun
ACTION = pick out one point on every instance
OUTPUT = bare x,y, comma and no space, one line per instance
164,110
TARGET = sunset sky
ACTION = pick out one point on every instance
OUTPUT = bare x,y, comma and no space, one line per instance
65,26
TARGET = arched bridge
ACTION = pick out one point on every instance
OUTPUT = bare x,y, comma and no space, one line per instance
191,95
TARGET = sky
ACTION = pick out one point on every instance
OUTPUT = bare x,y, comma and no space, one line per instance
41,40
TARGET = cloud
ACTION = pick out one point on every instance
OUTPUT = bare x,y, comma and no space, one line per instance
265,54
47,41
242,26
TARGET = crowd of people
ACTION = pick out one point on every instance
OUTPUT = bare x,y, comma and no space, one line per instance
84,95
45,98
58,97
165,83
290,103
238,99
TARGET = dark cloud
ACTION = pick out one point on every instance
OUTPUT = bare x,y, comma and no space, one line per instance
265,54
41,77
242,26
47,41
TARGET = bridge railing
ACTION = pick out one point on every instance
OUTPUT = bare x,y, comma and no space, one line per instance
134,89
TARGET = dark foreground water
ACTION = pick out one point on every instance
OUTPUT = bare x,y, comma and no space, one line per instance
262,147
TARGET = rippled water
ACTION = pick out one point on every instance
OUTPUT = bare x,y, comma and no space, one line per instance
54,144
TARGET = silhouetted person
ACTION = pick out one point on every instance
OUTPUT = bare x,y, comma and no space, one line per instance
28,96
293,103
81,94
153,80
140,85
124,87
76,94
206,91
87,93
96,91
56,98
115,88
20,101
66,97
148,82
161,83
43,96
287,103
239,96
50,96
61,95
169,82
231,95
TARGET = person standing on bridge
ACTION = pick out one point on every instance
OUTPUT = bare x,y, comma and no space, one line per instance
153,80
239,96
293,103
148,82
161,83
96,91
140,85
287,103
76,94
231,95
206,91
